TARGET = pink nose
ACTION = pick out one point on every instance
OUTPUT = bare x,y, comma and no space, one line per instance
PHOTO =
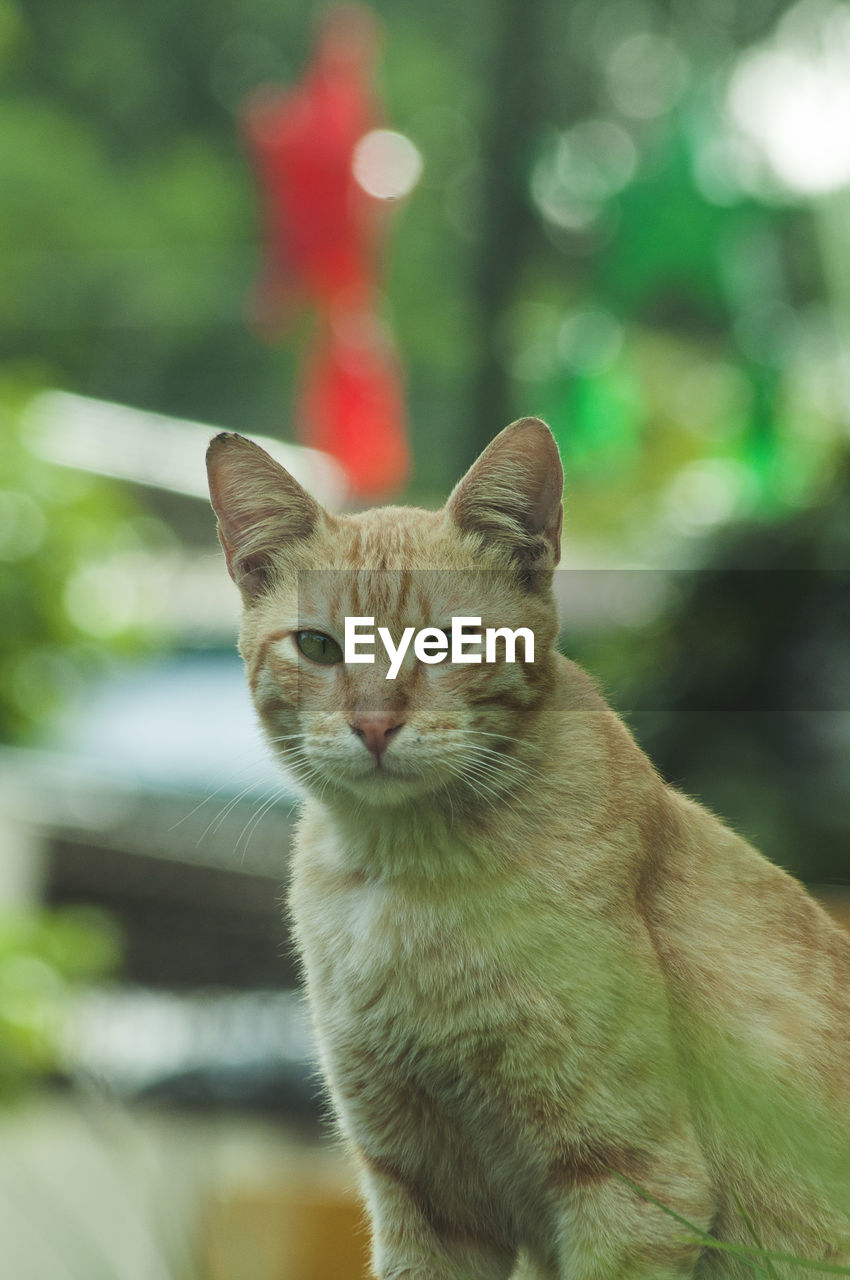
376,731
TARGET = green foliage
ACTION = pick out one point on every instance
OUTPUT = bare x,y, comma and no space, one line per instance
44,957
63,597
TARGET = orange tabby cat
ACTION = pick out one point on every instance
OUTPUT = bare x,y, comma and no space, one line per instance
569,1020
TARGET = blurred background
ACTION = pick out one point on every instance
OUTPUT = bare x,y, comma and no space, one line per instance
372,239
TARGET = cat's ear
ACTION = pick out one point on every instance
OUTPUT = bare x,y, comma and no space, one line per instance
512,495
260,508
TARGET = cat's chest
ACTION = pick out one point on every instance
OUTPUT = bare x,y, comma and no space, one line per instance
455,1026
444,1026
428,941
468,985
370,945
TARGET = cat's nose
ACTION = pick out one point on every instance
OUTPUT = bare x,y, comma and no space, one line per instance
376,731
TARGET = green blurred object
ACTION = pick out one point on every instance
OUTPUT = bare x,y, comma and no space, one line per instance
695,352
597,421
661,267
44,957
62,536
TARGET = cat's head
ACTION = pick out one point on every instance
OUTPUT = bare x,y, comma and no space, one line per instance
344,728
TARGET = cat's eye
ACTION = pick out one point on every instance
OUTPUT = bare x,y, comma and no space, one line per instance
318,647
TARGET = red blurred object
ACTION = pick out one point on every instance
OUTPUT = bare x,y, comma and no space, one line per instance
352,400
322,237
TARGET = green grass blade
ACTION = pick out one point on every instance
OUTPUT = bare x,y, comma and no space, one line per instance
748,1222
744,1253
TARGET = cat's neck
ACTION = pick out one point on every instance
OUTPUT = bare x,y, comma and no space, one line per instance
433,836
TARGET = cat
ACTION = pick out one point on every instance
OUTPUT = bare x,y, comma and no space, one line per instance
571,1023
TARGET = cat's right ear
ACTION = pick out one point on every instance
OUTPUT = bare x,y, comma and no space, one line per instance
260,508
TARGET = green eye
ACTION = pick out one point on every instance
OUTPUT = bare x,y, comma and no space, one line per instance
318,647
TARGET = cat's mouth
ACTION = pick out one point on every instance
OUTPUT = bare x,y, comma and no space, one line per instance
381,771
384,780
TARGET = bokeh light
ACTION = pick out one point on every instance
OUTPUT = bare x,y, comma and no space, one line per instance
791,97
646,74
578,170
387,164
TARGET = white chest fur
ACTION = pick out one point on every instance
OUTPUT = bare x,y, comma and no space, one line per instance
428,1036
457,1020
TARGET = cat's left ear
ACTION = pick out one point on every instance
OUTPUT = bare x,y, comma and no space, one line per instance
512,495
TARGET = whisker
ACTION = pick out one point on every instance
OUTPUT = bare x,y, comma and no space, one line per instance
487,753
474,775
216,821
255,820
485,733
504,762
473,771
518,774
260,757
444,786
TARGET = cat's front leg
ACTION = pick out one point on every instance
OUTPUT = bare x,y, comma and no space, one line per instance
609,1231
406,1246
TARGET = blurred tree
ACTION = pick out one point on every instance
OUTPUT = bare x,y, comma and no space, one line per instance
44,957
65,597
508,225
751,691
